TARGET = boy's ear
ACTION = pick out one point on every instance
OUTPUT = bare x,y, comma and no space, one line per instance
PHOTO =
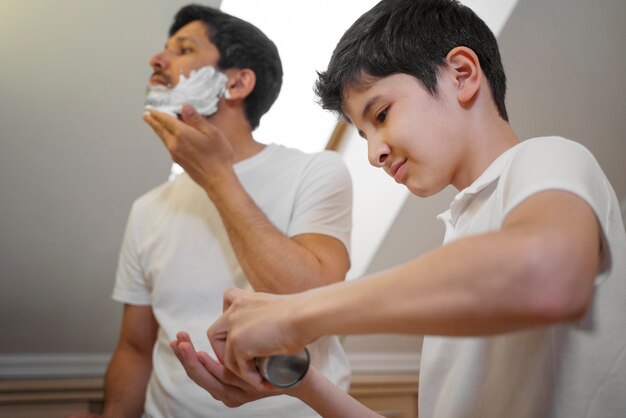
466,71
240,83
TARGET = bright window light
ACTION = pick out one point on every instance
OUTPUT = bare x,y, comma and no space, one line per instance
305,33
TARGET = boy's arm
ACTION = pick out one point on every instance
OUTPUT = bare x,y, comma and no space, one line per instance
327,399
314,389
272,261
130,367
538,269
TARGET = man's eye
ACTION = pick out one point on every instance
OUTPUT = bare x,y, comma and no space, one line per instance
184,51
382,115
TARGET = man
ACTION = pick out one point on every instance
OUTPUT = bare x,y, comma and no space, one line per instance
523,306
243,214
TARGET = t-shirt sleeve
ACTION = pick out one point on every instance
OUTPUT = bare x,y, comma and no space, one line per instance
130,284
559,164
324,199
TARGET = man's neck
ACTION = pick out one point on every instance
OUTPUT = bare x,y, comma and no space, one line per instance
237,130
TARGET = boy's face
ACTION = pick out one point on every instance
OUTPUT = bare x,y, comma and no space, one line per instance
188,49
410,133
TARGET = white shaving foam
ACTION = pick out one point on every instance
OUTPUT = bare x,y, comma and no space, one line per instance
203,90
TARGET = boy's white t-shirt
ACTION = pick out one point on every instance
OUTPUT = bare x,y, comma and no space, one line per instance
177,258
562,371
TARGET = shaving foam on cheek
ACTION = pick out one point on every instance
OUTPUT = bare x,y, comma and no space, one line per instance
203,90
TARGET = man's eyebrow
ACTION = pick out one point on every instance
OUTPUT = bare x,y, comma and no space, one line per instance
181,38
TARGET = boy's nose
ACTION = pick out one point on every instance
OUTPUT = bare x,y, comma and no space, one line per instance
378,152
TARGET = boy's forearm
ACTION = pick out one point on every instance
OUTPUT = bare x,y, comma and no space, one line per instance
125,384
328,400
476,286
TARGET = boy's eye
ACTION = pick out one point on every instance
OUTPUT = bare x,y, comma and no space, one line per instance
184,51
380,117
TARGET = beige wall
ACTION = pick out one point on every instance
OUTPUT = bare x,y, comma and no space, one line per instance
74,155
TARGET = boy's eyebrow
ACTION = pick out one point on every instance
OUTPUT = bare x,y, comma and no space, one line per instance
371,102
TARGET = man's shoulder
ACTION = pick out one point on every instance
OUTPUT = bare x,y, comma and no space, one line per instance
289,152
317,160
158,194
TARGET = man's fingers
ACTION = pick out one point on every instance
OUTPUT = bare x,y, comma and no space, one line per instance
168,122
166,136
191,117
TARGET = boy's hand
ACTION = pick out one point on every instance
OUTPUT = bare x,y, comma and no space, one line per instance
255,325
195,144
220,382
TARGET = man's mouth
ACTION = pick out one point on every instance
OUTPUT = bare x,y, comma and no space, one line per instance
160,79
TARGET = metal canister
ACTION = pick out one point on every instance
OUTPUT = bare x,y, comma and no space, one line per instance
284,371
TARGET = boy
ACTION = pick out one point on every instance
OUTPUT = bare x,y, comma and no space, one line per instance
523,305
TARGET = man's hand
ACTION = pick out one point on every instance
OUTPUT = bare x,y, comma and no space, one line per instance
195,144
220,382
255,325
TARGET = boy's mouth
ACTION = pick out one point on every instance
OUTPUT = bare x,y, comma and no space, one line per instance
395,170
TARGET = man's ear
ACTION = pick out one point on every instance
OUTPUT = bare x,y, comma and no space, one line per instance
465,67
240,83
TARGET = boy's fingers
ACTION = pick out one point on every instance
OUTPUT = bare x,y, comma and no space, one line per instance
230,295
217,334
183,336
174,345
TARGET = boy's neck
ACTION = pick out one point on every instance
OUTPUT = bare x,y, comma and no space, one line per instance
486,142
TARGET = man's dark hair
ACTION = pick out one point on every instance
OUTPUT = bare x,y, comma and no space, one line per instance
412,37
241,45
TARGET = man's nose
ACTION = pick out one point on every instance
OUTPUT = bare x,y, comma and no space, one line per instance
159,61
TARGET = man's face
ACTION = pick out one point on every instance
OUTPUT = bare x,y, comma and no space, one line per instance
188,49
409,132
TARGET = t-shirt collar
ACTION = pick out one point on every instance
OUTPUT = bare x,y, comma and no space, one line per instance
490,175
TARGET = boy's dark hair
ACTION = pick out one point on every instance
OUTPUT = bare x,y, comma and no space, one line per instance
411,37
241,45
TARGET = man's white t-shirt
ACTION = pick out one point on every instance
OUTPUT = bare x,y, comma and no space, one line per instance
176,257
562,371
